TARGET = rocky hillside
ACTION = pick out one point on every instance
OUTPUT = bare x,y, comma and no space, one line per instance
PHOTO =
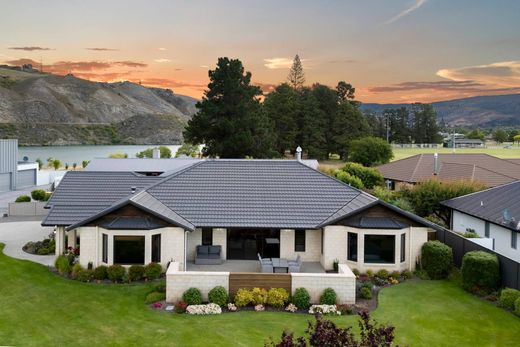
49,109
478,111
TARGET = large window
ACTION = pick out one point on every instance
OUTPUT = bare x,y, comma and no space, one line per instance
299,240
352,246
105,249
156,248
128,249
207,236
403,248
380,249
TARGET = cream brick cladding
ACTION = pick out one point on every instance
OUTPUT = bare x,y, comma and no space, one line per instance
343,283
220,238
177,282
194,239
334,245
312,245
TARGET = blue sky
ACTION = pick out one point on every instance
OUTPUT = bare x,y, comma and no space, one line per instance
391,50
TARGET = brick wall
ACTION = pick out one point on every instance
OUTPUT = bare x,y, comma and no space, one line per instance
312,245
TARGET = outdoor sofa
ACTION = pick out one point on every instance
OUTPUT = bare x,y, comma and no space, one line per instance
208,255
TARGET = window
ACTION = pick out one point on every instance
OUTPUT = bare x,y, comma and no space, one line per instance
207,236
352,246
486,230
156,248
128,249
105,249
380,249
299,240
403,247
513,239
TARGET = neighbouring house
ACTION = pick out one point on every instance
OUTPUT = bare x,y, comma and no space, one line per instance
483,168
464,143
493,213
241,209
15,174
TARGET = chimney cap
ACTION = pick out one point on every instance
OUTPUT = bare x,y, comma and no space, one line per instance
298,149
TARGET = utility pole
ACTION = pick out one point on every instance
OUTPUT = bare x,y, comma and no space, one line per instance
387,130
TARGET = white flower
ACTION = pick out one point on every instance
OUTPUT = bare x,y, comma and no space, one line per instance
291,308
324,309
231,307
204,309
259,307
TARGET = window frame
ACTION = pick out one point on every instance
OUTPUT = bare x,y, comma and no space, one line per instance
350,256
403,247
156,248
379,261
142,239
300,240
104,249
205,239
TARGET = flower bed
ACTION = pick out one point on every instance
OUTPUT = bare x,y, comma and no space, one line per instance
324,309
204,309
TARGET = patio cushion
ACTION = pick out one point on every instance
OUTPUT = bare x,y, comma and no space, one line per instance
214,249
202,250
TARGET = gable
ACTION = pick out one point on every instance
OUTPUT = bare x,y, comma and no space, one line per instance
129,217
379,214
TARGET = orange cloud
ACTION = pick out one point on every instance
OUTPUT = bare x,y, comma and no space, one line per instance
31,48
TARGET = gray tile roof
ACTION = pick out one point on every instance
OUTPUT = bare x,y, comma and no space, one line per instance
140,164
490,204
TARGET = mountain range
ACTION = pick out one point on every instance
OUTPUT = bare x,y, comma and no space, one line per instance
46,109
479,111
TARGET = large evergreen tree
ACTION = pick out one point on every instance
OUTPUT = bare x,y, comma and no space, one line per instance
230,121
311,126
296,77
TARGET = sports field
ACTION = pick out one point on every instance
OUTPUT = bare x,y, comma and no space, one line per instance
497,151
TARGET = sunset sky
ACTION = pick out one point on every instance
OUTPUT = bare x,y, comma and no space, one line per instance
390,50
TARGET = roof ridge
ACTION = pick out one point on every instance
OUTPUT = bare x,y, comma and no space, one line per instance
481,191
417,164
495,172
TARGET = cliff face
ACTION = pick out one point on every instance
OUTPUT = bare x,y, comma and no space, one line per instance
49,109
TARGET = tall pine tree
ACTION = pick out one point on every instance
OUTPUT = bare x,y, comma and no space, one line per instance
296,77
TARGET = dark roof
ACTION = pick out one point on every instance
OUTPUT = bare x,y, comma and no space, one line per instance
215,193
129,223
489,170
490,204
140,164
473,141
376,223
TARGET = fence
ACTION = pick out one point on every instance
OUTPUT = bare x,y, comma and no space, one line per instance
27,209
509,269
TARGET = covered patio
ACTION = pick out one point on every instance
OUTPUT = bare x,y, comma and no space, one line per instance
248,266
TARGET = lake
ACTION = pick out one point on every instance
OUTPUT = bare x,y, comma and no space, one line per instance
76,154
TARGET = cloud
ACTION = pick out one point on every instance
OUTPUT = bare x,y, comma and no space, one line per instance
266,87
162,60
502,74
64,67
343,61
278,63
415,6
169,83
31,48
162,49
204,66
101,49
437,85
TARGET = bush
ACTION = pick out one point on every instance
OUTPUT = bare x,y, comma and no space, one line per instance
370,151
116,273
243,297
370,273
471,235
259,296
370,177
365,293
517,307
62,264
154,297
75,269
436,259
180,307
407,274
383,274
480,272
508,297
152,271
100,273
38,194
23,198
301,298
161,287
328,297
395,274
277,297
84,275
348,179
135,272
192,296
219,296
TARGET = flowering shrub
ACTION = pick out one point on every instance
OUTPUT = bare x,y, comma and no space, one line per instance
277,297
392,280
231,307
204,309
259,296
324,309
259,307
291,308
180,307
243,297
156,305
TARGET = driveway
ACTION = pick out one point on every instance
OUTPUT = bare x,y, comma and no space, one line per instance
10,196
15,233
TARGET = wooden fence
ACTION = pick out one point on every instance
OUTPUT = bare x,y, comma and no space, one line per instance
251,280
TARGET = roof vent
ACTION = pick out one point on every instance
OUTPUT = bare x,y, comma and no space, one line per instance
299,153
133,189
436,164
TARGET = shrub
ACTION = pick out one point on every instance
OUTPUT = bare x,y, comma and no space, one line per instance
480,272
161,287
180,307
100,273
328,297
471,235
243,297
154,297
192,296
84,275
395,274
75,269
407,274
153,271
47,196
370,151
370,273
116,273
301,298
219,296
383,274
508,297
210,308
324,309
259,296
348,179
38,194
370,177
23,198
62,264
365,293
517,307
436,259
356,272
135,272
277,297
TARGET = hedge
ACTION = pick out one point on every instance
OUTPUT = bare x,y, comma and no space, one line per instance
508,297
436,259
480,272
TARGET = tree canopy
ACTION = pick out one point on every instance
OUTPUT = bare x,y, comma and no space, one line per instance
296,77
370,151
164,151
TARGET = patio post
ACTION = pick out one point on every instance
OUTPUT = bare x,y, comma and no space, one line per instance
60,240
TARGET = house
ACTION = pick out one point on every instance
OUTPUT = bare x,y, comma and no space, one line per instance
15,175
275,208
493,213
483,168
464,143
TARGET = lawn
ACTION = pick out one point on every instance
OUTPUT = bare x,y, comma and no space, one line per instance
40,308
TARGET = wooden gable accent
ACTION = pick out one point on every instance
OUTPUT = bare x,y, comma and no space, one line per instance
127,211
380,211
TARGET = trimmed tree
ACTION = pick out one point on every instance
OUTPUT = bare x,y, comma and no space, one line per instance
436,259
480,272
370,151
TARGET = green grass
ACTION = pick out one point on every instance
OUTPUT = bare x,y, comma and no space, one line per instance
40,308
